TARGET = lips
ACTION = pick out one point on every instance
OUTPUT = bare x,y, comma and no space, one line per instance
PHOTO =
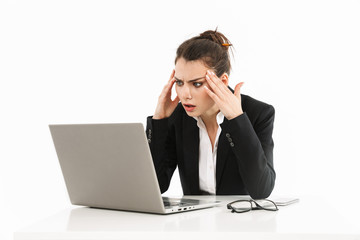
189,107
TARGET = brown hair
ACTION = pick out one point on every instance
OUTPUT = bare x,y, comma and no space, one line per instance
211,47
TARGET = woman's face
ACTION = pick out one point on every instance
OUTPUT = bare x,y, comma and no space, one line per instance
189,86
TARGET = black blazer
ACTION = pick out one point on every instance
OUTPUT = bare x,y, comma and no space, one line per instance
244,155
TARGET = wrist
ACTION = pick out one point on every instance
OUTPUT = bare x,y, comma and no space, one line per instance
235,115
156,117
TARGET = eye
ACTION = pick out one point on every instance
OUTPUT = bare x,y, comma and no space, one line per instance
179,83
198,84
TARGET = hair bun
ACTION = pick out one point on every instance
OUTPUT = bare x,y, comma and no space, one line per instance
211,47
216,37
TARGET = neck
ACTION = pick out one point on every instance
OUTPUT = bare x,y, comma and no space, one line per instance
209,118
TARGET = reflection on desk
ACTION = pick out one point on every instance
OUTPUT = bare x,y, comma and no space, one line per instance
302,220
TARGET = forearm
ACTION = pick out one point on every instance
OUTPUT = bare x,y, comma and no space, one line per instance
163,157
254,155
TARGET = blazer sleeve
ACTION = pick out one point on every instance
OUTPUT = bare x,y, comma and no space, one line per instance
161,138
253,148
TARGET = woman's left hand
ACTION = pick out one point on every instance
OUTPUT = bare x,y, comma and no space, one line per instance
228,102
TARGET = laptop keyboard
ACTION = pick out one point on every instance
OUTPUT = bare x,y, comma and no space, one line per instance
173,202
176,204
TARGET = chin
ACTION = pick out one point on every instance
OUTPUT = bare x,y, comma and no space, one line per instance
192,114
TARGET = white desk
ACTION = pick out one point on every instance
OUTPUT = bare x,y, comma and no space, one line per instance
308,219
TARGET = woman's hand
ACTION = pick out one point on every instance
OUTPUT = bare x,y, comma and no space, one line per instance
165,106
228,102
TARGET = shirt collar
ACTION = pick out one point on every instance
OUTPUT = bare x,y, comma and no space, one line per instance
219,119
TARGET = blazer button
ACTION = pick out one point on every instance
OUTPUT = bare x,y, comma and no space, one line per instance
149,140
232,144
230,140
227,135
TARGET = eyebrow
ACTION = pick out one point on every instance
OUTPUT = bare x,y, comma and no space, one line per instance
193,80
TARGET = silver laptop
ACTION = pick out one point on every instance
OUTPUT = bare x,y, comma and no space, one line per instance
110,166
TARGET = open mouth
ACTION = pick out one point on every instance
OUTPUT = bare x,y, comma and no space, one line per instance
189,107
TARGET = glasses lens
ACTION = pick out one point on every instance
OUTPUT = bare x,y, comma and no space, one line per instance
266,204
241,205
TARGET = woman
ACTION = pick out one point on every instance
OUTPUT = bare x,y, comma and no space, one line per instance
220,140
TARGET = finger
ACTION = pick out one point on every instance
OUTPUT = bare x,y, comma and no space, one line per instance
217,81
171,82
219,87
172,75
166,92
169,86
171,79
212,95
237,89
166,87
215,88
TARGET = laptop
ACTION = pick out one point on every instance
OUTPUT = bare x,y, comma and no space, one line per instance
110,166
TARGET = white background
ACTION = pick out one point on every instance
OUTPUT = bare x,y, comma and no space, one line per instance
107,61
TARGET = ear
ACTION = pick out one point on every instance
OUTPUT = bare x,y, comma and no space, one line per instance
225,79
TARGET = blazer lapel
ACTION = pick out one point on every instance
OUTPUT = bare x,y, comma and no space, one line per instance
222,152
191,153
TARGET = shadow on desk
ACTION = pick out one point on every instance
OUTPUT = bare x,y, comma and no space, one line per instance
212,219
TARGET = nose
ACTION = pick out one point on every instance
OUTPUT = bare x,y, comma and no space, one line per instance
185,92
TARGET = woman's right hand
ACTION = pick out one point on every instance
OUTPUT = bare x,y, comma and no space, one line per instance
165,106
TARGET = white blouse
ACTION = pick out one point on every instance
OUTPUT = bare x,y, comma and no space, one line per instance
207,156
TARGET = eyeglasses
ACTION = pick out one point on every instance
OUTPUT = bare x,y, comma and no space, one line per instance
241,206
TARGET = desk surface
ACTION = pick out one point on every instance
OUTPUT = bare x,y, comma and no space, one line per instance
308,219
